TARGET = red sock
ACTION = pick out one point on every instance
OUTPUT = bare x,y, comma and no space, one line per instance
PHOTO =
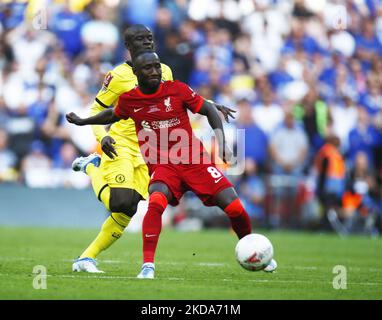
152,225
240,221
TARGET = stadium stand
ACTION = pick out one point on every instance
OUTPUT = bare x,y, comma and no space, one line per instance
298,72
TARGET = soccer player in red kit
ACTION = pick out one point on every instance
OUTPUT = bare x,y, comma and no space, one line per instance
176,159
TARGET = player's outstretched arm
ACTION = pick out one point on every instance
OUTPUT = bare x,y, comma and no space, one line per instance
107,142
105,117
208,109
99,131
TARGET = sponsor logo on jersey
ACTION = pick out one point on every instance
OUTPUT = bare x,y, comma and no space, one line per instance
146,126
165,123
107,80
153,108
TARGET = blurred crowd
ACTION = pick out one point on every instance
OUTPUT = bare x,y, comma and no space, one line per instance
304,76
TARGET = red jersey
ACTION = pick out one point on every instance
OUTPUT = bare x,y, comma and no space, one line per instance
162,123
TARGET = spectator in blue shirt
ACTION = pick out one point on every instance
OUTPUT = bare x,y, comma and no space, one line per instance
364,137
140,12
367,44
372,99
67,26
256,141
298,39
252,191
328,76
12,14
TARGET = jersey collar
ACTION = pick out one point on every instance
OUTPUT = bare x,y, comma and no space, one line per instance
152,94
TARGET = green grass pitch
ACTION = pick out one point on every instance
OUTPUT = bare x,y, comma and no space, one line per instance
195,265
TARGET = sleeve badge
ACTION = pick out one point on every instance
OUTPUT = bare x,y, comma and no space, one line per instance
107,80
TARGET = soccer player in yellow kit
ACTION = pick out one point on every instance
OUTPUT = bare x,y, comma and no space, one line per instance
120,177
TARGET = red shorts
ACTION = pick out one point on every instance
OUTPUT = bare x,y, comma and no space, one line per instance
205,180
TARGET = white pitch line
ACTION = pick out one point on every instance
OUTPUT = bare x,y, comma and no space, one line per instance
112,261
316,280
211,264
202,263
372,269
108,277
100,261
198,279
112,277
304,268
173,263
16,259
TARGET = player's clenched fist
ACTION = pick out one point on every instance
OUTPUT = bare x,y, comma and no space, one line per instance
73,118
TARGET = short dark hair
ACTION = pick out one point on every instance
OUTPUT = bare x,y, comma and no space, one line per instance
141,52
130,31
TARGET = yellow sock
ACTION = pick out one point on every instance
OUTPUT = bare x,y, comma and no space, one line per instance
99,184
112,229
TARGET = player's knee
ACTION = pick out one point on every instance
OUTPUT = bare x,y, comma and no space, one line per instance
234,209
225,198
158,199
123,206
123,201
130,210
161,188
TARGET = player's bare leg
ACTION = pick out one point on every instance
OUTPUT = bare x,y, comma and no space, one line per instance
160,196
229,202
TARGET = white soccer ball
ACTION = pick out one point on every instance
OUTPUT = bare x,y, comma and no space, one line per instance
254,252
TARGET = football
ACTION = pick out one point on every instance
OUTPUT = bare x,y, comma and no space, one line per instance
254,252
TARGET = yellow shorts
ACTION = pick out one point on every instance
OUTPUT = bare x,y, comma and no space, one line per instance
126,171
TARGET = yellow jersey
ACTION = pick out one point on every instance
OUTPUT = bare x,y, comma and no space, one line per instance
118,81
